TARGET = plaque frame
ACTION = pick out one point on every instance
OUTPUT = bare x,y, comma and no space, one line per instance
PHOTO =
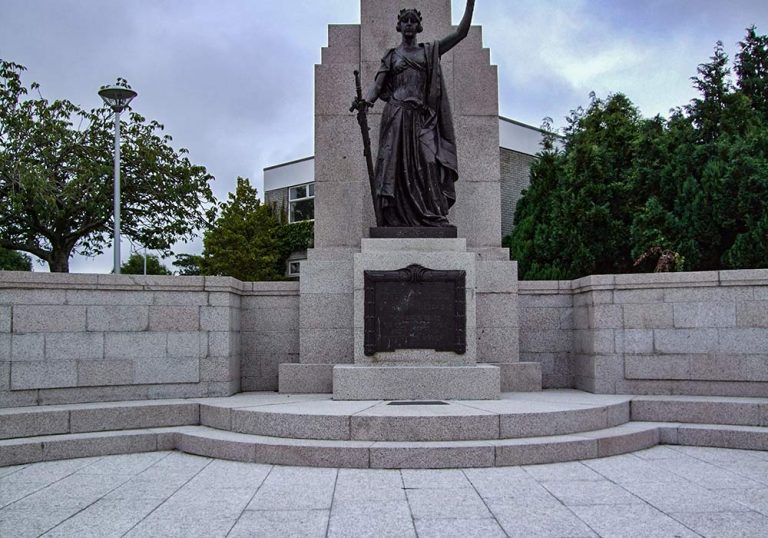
416,274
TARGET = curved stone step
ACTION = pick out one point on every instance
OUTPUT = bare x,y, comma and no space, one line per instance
215,443
514,416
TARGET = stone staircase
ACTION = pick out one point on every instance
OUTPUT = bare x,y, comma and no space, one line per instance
314,430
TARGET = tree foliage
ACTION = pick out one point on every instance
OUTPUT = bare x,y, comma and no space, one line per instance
188,264
56,178
10,260
625,193
574,219
135,265
250,240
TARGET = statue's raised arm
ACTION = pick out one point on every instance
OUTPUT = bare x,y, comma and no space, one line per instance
450,41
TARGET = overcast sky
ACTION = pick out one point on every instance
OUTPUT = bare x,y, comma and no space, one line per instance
232,80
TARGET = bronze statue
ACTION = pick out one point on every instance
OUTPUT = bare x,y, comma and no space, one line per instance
416,167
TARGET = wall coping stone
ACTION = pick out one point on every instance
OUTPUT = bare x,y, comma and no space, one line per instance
541,287
694,279
32,280
744,277
97,282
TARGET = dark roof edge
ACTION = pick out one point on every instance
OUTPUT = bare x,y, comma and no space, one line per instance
521,124
289,163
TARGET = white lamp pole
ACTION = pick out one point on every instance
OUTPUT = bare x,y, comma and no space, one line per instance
117,98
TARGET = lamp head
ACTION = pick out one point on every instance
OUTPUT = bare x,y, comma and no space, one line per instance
117,97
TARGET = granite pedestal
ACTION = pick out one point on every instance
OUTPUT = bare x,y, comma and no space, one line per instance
360,382
331,330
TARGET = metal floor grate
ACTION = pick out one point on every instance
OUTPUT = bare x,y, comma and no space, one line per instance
418,402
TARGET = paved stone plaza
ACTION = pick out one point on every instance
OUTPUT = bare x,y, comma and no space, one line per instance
662,491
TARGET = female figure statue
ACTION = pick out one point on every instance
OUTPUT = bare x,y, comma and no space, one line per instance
416,165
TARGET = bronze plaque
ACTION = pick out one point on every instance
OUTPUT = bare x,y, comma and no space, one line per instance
415,308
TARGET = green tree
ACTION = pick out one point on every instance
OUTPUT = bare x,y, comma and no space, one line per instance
135,265
242,243
251,241
690,192
575,217
56,178
705,172
751,67
188,264
10,260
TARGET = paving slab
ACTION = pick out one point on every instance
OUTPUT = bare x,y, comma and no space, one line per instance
225,475
503,482
731,524
296,488
5,471
718,455
105,518
369,485
684,496
27,480
628,468
574,470
177,494
631,521
590,493
355,519
546,517
305,523
125,464
462,503
660,452
434,479
77,490
459,528
174,467
707,475
754,499
24,520
181,520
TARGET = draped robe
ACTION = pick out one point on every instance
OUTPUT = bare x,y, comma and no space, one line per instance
416,165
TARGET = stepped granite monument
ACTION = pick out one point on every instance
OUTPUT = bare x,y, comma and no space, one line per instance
407,298
411,296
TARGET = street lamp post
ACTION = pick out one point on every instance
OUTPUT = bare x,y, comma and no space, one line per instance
117,98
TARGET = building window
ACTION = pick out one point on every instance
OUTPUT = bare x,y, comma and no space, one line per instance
294,268
301,203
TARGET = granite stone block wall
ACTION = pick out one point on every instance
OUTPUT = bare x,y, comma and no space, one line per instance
699,333
546,329
269,332
79,338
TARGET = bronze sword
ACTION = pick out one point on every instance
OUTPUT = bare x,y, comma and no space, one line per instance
362,119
